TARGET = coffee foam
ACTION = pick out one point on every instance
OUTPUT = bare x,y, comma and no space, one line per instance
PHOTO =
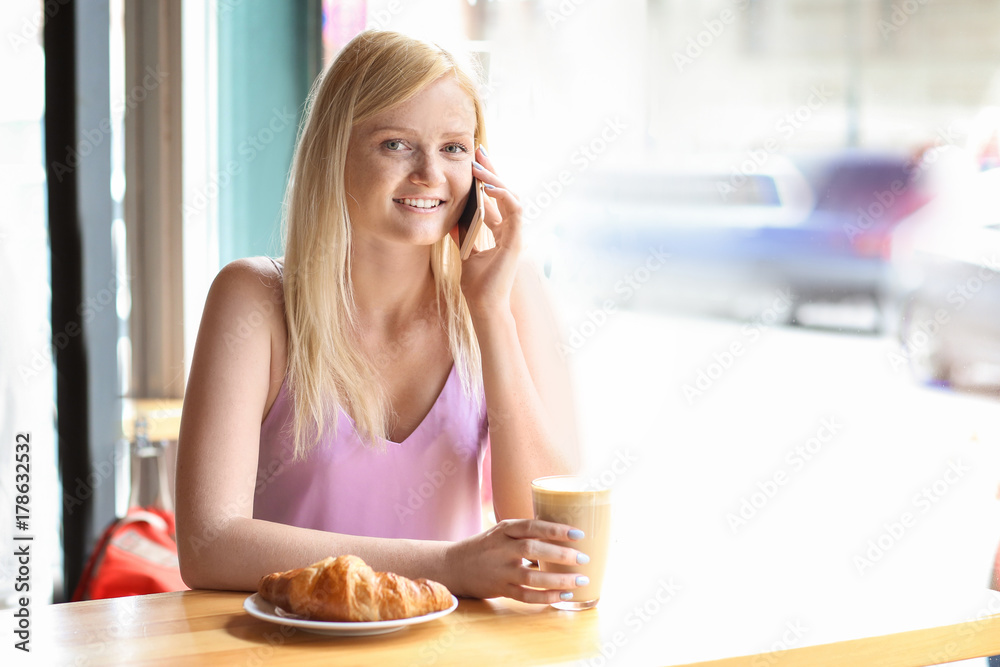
567,484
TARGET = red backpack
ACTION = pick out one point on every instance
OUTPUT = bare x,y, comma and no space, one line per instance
136,555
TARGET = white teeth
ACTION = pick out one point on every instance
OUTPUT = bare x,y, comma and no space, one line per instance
421,203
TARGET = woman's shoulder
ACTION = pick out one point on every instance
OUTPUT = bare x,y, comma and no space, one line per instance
251,271
249,291
245,313
255,279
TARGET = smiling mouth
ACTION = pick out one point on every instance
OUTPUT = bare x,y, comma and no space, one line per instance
427,204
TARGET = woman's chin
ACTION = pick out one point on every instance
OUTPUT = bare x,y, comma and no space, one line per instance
421,240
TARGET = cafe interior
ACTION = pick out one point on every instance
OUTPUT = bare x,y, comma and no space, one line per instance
768,232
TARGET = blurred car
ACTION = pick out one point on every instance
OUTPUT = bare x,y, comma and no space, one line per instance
946,260
860,196
613,234
815,228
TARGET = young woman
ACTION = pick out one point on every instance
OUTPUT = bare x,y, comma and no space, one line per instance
341,400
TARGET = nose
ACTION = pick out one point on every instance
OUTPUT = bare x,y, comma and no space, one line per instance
427,171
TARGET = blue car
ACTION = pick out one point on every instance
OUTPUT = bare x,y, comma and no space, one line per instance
814,228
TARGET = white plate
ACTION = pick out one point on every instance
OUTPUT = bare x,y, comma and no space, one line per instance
260,608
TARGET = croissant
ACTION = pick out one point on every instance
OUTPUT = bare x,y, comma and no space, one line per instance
345,588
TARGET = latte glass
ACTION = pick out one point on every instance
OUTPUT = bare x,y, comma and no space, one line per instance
576,502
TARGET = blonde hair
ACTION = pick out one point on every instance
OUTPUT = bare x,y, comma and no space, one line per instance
374,72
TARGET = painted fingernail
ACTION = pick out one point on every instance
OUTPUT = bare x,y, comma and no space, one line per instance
576,534
476,165
582,580
566,596
483,150
582,559
489,187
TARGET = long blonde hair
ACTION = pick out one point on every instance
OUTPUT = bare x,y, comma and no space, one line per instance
374,72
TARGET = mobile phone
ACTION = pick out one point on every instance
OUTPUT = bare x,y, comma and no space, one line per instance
471,219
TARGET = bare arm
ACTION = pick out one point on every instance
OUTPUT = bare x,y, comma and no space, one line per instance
221,545
525,377
529,396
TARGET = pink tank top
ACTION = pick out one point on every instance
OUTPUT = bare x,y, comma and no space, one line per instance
426,487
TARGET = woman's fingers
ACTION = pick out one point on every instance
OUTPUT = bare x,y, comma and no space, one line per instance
533,544
503,209
537,528
533,596
487,176
504,206
492,563
493,216
484,161
546,587
483,169
552,553
503,218
551,580
483,157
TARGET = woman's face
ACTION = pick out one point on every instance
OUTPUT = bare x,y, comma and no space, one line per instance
409,168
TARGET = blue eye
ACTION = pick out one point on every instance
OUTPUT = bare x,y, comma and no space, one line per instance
458,148
393,144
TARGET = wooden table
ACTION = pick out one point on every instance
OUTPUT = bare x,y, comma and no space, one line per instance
210,627
684,588
786,589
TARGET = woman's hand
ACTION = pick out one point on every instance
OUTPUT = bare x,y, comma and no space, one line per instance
490,564
488,275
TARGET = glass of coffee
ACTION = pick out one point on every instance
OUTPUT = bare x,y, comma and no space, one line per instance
576,502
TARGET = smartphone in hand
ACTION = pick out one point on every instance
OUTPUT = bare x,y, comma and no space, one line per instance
472,218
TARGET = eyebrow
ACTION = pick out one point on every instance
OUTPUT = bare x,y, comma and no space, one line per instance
410,130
